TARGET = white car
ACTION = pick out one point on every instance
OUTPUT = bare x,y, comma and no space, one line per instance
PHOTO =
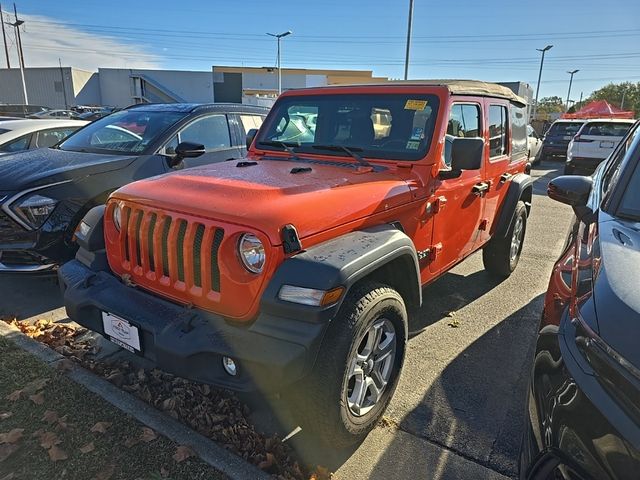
21,135
595,140
534,142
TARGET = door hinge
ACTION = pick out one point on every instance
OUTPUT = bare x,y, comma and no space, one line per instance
430,254
483,224
435,206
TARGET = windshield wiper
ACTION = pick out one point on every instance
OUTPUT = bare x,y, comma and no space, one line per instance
349,150
288,147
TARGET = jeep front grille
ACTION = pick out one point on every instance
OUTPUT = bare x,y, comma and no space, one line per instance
165,250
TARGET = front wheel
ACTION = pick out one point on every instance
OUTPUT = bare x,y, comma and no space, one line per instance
357,368
501,255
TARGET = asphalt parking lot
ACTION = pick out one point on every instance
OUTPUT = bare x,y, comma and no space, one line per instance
459,407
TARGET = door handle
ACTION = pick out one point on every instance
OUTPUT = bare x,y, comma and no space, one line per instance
480,188
505,177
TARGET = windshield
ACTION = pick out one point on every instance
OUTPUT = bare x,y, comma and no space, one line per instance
127,131
385,126
564,128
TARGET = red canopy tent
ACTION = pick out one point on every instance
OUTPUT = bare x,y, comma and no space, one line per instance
599,109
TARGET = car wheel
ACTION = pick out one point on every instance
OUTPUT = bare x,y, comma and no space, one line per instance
501,255
357,368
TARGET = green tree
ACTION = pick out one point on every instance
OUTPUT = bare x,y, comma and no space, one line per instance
550,105
614,92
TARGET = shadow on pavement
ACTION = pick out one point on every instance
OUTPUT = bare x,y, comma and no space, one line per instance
475,407
28,295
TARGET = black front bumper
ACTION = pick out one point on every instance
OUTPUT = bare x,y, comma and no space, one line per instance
270,353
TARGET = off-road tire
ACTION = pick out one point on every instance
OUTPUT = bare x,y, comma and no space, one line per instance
496,256
318,402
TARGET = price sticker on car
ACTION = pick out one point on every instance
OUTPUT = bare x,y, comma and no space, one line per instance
415,105
121,332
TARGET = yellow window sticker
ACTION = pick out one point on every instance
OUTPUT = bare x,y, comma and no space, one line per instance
413,145
415,105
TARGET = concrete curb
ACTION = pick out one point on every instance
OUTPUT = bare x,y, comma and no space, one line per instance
226,462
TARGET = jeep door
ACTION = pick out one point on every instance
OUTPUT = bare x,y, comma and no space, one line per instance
213,132
459,204
507,132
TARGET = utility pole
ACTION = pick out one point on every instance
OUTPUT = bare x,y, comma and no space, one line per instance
624,93
64,88
572,73
535,105
16,25
278,36
580,101
4,38
409,26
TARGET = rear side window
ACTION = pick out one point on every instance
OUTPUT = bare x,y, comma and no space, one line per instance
497,130
17,145
564,128
48,138
605,129
3,130
518,132
251,121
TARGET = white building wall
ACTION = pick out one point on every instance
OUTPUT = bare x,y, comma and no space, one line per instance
269,81
44,86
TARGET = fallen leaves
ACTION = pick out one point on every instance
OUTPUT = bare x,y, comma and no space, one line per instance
100,427
56,454
37,398
14,396
5,415
6,450
106,473
12,436
182,453
148,435
89,447
48,439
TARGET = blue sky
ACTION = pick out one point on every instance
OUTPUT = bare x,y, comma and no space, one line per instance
493,40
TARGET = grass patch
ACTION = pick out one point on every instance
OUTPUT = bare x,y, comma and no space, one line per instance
51,408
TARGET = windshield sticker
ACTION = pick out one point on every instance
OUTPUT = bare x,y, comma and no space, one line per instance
412,145
417,134
415,105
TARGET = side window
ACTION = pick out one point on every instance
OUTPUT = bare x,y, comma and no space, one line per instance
170,147
48,138
251,121
17,145
211,131
464,122
615,161
519,131
497,131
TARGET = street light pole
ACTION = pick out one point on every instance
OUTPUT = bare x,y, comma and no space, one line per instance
16,25
572,73
543,50
4,38
278,36
409,26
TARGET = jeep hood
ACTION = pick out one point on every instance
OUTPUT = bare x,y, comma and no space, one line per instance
269,195
48,165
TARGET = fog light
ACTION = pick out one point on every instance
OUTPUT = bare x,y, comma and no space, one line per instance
229,366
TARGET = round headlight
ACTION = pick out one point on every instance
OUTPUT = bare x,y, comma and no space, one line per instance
251,252
117,216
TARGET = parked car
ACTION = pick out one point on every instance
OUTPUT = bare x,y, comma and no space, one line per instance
296,269
55,114
21,135
556,139
45,193
91,116
533,145
593,143
584,398
22,111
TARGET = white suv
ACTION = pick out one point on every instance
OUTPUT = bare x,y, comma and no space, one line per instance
595,140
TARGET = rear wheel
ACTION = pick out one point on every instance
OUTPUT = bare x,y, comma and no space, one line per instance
501,255
357,369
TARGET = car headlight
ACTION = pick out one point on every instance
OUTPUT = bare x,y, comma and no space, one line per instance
34,210
117,216
251,252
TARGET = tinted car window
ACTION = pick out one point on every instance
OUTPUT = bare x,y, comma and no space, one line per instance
387,126
48,138
630,205
564,128
464,120
211,131
127,131
609,129
613,167
17,145
497,130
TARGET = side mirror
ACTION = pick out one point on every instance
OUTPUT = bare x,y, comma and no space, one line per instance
251,134
573,190
189,150
466,154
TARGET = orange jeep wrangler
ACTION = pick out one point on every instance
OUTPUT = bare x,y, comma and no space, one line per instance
296,269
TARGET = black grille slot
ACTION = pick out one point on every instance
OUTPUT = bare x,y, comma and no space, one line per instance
165,251
152,226
197,248
126,215
215,270
138,222
182,230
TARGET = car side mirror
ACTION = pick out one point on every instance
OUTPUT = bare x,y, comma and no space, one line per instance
466,154
186,150
573,190
251,134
